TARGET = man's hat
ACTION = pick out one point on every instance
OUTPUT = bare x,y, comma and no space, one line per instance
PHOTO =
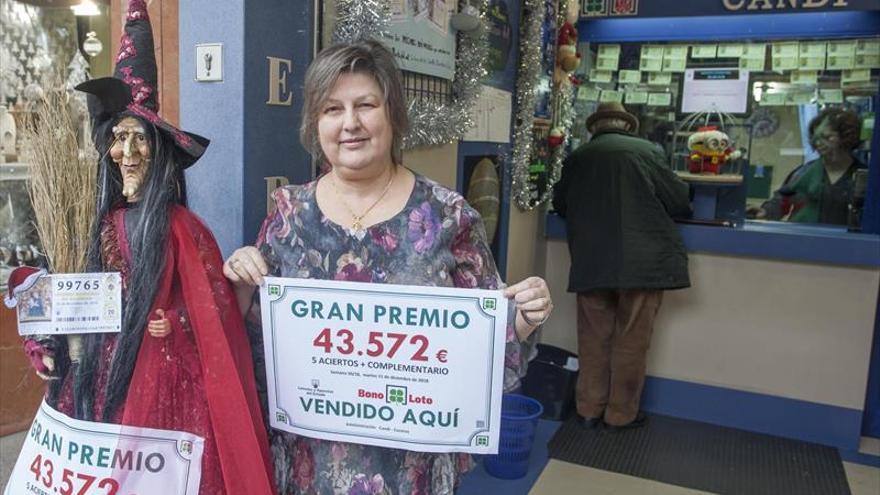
133,89
20,280
613,110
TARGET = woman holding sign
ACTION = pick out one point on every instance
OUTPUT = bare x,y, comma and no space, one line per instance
369,219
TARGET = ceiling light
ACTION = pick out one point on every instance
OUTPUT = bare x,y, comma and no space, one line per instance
85,8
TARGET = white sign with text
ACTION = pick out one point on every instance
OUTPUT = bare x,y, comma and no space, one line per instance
66,456
415,368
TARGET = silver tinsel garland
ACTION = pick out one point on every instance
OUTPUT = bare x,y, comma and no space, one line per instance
361,19
526,97
563,119
431,123
527,75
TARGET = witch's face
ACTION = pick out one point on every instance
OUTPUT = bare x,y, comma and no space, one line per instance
131,152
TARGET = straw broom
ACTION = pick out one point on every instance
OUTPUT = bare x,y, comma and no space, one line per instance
62,188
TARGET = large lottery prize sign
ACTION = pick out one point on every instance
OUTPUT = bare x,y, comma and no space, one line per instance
66,456
416,368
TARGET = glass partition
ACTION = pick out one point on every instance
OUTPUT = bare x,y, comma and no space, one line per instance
736,118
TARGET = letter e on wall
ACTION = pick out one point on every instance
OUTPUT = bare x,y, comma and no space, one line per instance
279,68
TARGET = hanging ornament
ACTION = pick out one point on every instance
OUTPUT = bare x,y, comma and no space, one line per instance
92,45
527,83
764,122
555,138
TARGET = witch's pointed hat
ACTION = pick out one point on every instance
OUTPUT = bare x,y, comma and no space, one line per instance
133,88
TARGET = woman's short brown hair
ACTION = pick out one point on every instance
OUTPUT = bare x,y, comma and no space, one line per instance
844,122
365,57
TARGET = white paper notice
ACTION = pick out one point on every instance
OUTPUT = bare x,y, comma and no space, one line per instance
855,75
772,99
491,114
704,51
588,93
830,96
720,90
611,96
806,77
659,79
629,77
659,99
636,97
600,76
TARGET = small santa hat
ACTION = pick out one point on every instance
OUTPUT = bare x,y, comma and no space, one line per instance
704,133
20,280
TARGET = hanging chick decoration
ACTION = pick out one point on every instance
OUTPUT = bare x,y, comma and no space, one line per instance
567,57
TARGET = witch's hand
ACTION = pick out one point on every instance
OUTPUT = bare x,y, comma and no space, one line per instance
159,327
41,358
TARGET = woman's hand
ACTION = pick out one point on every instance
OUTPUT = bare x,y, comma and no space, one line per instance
160,327
245,269
534,305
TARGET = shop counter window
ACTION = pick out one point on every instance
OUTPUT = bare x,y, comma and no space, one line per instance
734,119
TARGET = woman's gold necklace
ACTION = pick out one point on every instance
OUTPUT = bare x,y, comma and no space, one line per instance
357,223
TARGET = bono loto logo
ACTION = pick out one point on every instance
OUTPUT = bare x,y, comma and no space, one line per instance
396,395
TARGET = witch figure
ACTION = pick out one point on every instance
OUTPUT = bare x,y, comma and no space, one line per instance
182,360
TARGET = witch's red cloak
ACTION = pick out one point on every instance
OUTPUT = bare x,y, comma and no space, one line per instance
199,379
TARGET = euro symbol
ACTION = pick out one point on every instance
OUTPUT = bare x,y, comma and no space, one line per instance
441,355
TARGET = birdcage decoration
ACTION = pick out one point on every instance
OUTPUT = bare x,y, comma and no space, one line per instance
711,146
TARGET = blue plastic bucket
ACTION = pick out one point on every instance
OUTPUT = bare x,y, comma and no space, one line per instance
519,417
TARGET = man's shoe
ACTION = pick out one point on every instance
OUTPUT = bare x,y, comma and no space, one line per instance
588,423
638,422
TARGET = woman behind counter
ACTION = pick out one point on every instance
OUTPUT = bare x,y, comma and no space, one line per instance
820,191
370,219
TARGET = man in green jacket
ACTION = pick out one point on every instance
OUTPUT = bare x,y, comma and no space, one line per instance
618,198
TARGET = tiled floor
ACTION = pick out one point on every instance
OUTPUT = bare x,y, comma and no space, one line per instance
564,478
557,478
9,447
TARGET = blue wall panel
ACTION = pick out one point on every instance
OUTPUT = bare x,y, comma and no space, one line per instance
216,111
731,27
250,139
810,421
281,29
674,8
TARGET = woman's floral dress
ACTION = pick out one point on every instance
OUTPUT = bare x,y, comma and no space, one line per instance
436,240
